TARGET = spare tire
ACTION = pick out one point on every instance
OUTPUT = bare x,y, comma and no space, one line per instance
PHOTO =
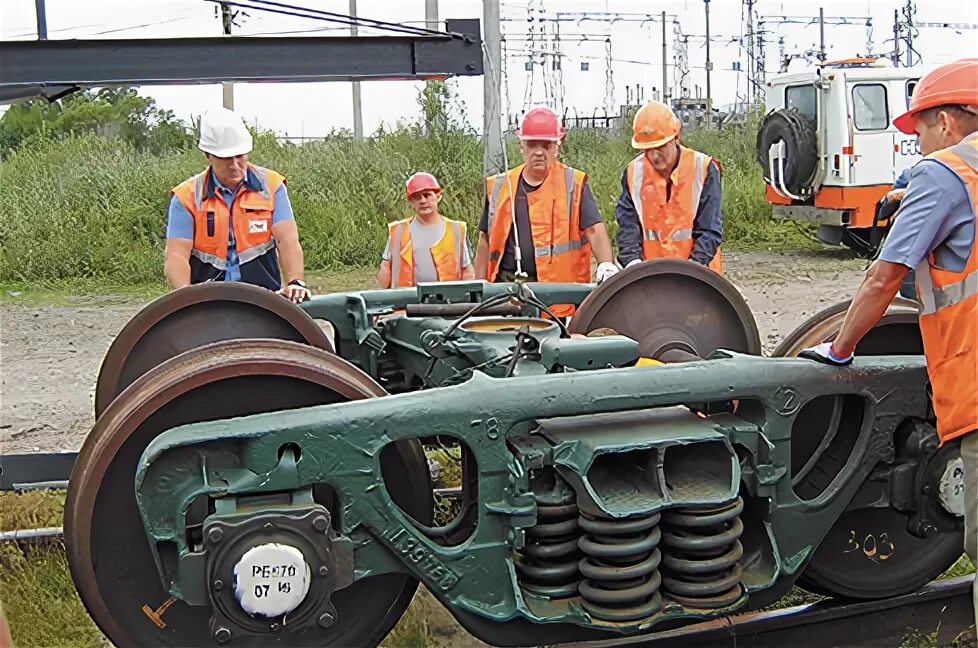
800,144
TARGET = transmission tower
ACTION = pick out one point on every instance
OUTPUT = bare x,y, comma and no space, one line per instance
609,80
751,64
760,74
680,49
909,10
756,76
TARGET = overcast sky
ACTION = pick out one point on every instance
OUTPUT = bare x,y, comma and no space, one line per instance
313,109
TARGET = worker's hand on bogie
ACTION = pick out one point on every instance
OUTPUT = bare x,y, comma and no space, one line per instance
825,354
605,270
295,293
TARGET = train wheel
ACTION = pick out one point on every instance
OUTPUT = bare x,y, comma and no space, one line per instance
868,553
672,308
108,552
192,317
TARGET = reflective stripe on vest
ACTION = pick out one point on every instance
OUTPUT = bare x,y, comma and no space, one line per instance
494,201
700,161
217,262
949,315
550,250
933,299
396,236
396,254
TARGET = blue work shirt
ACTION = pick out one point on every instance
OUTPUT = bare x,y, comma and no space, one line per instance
180,224
935,216
707,226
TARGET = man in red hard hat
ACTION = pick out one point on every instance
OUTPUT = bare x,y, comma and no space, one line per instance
426,247
558,224
934,234
670,196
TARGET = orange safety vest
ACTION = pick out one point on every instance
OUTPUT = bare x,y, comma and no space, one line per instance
667,225
250,216
562,252
949,316
447,253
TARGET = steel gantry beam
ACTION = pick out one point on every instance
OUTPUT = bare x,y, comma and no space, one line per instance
55,67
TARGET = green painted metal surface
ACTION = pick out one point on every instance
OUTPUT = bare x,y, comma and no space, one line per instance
620,438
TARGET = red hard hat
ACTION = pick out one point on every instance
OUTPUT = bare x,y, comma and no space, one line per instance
541,124
422,181
955,83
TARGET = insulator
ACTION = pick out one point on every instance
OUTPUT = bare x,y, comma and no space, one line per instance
547,564
621,568
702,554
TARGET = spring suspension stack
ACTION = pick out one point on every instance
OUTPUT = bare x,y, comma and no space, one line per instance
547,565
621,567
701,555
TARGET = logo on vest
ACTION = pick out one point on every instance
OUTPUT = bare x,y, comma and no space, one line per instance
257,226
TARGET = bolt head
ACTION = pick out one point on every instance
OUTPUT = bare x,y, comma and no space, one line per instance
320,523
326,619
275,627
222,635
218,585
324,570
215,535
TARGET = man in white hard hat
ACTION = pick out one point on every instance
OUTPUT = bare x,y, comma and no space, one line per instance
227,222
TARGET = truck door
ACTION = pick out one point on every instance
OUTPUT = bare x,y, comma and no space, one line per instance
906,152
872,141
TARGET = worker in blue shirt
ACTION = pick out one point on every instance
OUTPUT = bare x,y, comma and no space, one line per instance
233,221
891,202
670,196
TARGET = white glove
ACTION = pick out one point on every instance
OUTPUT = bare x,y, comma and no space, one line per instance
295,293
606,269
823,353
633,262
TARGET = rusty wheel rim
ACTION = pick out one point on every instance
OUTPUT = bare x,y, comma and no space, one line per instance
670,304
824,326
99,509
843,565
193,317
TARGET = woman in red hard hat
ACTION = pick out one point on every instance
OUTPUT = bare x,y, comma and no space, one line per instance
670,196
558,224
426,247
934,234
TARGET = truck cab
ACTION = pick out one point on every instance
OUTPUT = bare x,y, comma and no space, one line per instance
829,148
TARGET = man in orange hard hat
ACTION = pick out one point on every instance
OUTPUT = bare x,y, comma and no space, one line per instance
426,247
557,219
934,233
670,196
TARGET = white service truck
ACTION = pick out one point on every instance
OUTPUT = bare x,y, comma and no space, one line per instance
829,149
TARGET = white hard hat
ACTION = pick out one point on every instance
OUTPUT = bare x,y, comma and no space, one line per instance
223,133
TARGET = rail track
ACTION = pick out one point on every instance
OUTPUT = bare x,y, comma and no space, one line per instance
941,610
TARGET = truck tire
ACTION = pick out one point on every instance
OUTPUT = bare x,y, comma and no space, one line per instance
801,147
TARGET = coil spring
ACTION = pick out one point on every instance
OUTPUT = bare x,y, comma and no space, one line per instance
621,568
702,552
547,564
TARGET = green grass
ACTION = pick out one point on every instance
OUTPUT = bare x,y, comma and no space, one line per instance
44,610
87,211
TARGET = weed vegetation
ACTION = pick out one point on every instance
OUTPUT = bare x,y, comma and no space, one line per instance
84,205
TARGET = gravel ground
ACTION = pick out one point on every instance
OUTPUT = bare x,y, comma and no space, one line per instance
50,354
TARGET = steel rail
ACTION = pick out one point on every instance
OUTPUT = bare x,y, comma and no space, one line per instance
943,606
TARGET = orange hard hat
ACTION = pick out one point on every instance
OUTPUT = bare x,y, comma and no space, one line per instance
955,83
422,181
654,125
541,124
